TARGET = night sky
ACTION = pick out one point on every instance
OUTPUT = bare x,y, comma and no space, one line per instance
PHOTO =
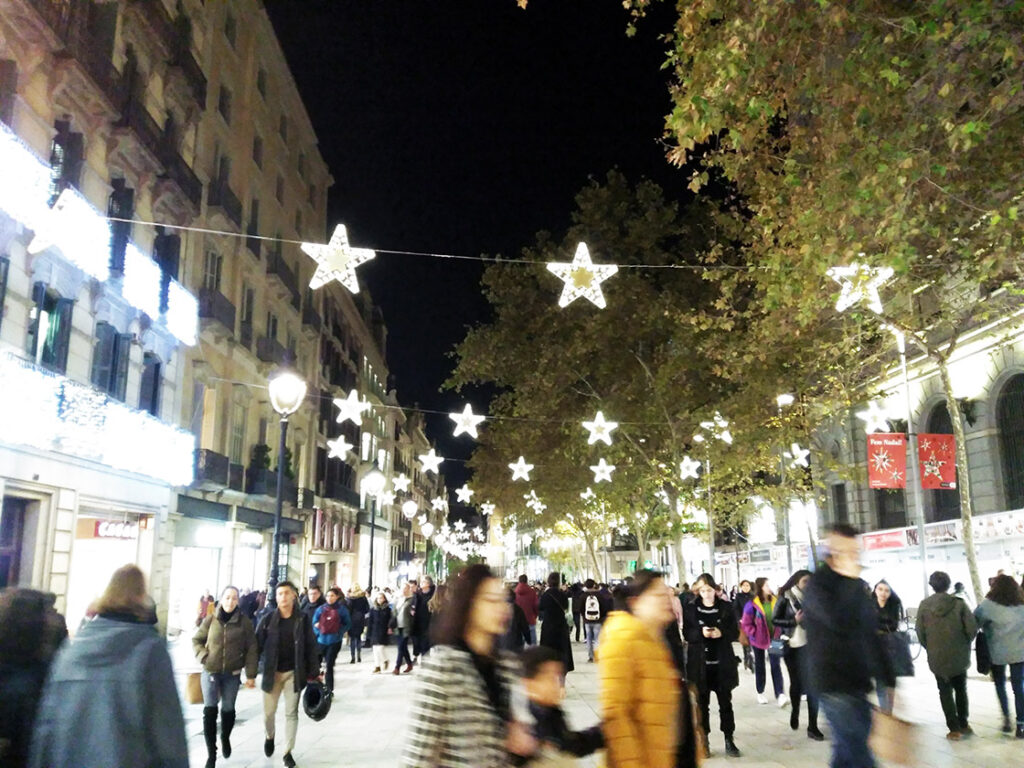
465,127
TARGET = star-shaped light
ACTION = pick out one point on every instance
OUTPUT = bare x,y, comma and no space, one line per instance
600,429
478,533
860,283
487,508
466,421
401,482
339,448
933,466
464,494
797,455
459,525
387,497
438,504
521,470
718,427
602,471
337,260
689,468
588,494
534,502
351,408
430,461
582,278
874,418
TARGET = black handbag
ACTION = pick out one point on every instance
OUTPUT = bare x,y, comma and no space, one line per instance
982,655
897,645
778,647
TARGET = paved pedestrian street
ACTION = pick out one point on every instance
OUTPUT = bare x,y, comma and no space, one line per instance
365,727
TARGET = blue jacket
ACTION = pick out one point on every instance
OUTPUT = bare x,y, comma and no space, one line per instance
343,616
111,700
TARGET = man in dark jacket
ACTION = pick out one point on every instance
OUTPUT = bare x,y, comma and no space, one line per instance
594,609
528,599
421,618
288,658
946,627
844,649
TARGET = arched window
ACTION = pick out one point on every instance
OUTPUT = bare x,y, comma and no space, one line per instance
1010,422
943,504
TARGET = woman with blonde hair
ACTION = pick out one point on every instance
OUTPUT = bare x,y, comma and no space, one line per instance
110,698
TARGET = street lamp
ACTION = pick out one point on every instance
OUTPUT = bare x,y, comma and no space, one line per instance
783,401
287,391
373,483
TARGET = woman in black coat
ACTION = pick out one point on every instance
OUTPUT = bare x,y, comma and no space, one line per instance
554,630
377,623
710,626
358,608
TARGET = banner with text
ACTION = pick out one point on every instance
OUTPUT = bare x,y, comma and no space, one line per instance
887,460
937,456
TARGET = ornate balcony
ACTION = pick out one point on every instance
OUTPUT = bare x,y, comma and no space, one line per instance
263,482
211,470
339,492
310,321
281,278
245,335
270,351
216,313
220,199
236,477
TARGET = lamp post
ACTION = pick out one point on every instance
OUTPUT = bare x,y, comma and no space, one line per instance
287,391
373,483
717,428
782,401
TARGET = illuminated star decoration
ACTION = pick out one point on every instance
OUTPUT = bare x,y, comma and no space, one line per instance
337,260
401,483
860,283
797,455
602,471
588,494
874,418
387,497
933,466
430,461
339,448
466,421
459,525
464,494
438,504
582,278
521,470
600,429
534,503
487,508
719,427
351,408
689,468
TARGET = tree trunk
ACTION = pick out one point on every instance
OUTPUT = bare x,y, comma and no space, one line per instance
680,559
593,559
641,544
963,478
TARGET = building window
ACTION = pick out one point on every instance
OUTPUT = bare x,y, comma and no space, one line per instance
257,151
5,268
49,329
223,169
167,254
271,325
891,507
1010,422
211,271
239,418
66,155
261,82
312,195
279,190
149,390
840,507
224,104
120,205
8,89
230,29
248,299
110,358
298,221
283,128
943,503
302,164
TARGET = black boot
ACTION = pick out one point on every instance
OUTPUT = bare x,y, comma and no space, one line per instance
730,747
227,724
210,734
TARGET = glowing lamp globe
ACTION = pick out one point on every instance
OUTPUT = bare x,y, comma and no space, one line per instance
287,391
373,481
427,529
409,509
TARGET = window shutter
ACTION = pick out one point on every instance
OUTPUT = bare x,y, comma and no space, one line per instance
38,298
122,356
102,357
74,155
149,391
62,340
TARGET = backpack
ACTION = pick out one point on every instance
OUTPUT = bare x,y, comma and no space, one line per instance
592,608
330,621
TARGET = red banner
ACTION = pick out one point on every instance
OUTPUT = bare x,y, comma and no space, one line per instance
887,460
937,456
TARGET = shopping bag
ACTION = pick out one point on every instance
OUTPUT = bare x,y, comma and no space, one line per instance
892,739
981,654
897,645
193,689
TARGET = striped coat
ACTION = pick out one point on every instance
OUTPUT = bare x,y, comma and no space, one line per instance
453,724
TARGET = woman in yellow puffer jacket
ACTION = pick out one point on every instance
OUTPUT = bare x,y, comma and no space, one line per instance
639,683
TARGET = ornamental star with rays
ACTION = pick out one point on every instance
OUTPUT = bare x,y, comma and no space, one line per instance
933,466
882,460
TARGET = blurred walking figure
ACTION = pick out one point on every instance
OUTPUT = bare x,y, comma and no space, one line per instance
528,599
960,591
554,627
844,650
224,644
358,610
711,629
461,706
595,611
758,623
789,617
890,614
421,618
517,635
110,699
378,625
288,650
401,622
946,627
744,596
639,683
576,598
31,631
330,623
1001,616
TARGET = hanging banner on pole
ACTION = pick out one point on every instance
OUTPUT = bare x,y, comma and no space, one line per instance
937,456
887,460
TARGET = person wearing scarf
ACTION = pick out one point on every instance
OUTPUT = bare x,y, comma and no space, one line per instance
757,623
789,617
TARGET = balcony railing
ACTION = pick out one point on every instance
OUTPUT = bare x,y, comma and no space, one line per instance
245,334
183,59
270,350
310,317
254,244
343,493
211,470
221,196
177,170
136,117
263,482
236,477
278,268
214,307
305,498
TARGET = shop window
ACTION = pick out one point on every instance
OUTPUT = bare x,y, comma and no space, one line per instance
12,526
67,151
120,206
840,506
211,271
167,254
111,355
49,330
257,151
149,390
8,89
1010,423
944,503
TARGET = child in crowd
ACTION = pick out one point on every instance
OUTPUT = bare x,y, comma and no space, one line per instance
543,675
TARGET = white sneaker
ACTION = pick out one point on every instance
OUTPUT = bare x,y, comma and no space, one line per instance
783,700
761,699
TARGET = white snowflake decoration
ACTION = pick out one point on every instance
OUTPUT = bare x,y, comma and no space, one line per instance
487,508
337,260
582,278
466,421
588,494
459,525
600,430
718,427
387,498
